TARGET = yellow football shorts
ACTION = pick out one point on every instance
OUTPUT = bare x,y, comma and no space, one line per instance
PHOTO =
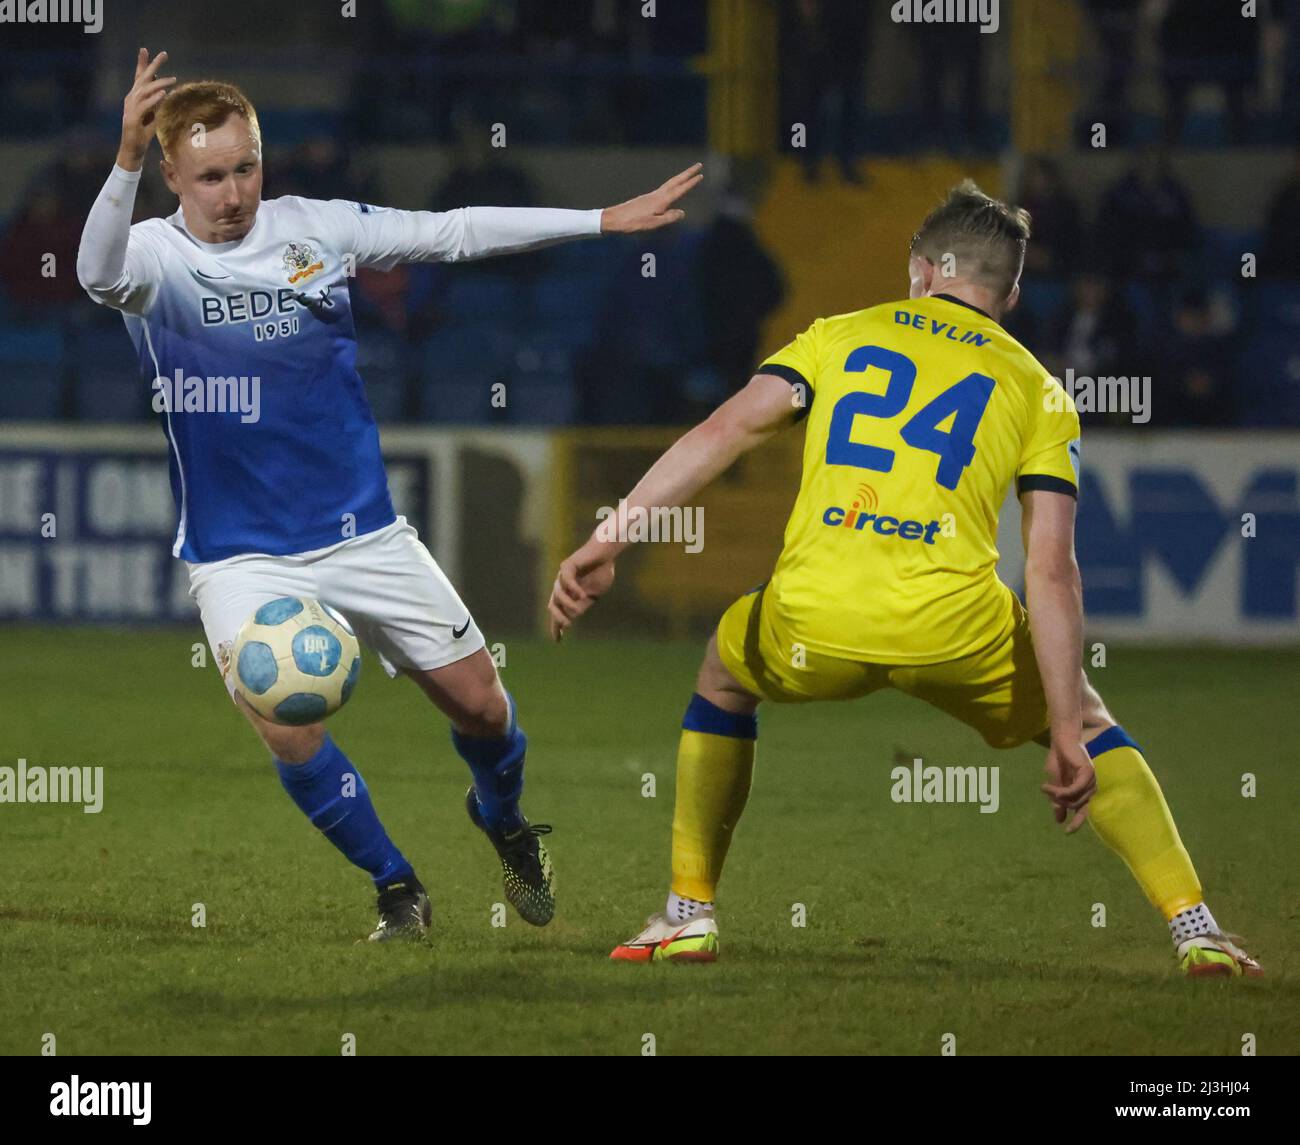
997,690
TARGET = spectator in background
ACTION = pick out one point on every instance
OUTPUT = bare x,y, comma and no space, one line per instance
1281,255
952,83
78,170
633,373
479,174
1207,43
1094,336
1286,19
319,161
824,47
739,285
1115,24
381,298
1193,370
38,253
1147,221
1057,225
578,106
399,92
47,71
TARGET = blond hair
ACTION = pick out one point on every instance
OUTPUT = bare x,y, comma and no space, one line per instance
208,102
985,236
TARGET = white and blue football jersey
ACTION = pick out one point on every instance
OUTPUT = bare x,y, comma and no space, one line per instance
274,306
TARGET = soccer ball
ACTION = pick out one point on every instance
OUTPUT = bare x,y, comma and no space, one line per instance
295,661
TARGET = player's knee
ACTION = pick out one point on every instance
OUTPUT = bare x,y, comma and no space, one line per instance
719,686
484,712
288,744
293,745
1094,711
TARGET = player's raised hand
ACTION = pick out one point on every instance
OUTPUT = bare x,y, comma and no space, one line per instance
1073,782
651,211
138,108
582,580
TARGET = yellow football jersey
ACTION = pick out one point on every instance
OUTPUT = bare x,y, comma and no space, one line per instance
919,415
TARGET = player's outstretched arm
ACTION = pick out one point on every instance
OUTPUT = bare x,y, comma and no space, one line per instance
1054,595
107,268
383,237
654,209
747,419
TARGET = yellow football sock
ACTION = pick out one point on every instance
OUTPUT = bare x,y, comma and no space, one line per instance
714,773
1129,812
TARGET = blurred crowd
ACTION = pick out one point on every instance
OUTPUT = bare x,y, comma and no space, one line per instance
1122,282
1135,285
1131,284
1230,48
1146,69
580,72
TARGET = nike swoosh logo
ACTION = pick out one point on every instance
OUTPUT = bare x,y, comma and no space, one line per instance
457,633
213,277
665,943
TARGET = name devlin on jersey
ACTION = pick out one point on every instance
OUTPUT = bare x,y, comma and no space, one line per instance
940,329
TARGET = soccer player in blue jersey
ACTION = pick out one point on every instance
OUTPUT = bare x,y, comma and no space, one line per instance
295,503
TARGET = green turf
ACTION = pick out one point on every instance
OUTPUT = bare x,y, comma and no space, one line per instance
921,920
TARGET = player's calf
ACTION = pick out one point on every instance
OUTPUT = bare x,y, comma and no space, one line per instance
1130,815
487,736
484,732
715,764
327,787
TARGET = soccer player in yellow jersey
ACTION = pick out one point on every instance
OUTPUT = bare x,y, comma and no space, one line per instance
920,415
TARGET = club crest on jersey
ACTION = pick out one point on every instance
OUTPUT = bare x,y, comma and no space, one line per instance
301,262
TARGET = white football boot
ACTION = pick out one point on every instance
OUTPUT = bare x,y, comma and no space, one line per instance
1216,956
664,941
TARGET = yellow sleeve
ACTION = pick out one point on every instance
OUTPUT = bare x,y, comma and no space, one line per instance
799,362
1049,458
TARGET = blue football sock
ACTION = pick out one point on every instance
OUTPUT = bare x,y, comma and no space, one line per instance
497,765
332,794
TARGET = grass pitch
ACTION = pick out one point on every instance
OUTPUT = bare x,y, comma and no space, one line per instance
922,920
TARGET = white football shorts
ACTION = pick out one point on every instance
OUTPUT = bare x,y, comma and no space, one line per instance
385,584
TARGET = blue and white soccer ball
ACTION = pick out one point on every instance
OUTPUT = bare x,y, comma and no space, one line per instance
295,661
